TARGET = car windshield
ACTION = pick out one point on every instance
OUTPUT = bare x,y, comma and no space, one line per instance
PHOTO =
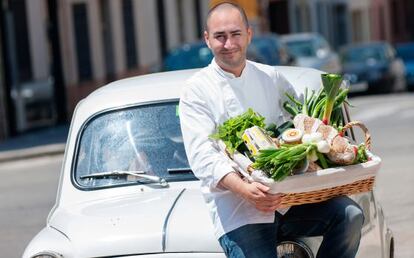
363,54
144,138
268,48
301,48
187,57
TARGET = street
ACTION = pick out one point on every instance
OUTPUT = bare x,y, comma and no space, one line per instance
28,188
390,119
28,192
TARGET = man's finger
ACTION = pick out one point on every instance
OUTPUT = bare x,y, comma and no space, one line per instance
262,187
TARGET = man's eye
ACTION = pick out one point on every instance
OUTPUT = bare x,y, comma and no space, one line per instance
220,37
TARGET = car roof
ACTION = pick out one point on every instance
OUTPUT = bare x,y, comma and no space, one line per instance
299,36
131,91
147,85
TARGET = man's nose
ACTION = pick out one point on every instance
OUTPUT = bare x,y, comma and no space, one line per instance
228,43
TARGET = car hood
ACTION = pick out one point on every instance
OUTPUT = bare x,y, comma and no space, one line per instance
145,222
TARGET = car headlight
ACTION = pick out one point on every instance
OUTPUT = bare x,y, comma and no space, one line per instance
293,249
47,254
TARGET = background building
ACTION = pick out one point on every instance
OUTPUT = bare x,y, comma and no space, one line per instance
55,52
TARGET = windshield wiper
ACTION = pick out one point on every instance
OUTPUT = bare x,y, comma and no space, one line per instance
179,171
138,174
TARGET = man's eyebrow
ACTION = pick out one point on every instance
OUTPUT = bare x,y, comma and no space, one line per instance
217,33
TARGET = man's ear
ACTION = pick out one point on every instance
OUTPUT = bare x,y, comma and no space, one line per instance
206,39
249,33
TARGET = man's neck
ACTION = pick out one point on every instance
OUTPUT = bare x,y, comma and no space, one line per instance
235,71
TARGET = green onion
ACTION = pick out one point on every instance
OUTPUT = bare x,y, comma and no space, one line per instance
279,163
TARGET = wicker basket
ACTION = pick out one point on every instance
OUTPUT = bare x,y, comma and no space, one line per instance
351,173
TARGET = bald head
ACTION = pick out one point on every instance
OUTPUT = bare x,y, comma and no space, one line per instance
224,7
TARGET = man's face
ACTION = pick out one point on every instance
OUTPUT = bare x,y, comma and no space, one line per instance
228,38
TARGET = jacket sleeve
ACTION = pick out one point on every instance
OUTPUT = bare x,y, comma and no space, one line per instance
197,124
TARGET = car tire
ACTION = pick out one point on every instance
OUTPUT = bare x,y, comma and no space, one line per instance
392,248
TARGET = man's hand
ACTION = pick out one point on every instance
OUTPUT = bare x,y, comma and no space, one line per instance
256,193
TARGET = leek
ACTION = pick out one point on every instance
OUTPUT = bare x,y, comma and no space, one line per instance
331,84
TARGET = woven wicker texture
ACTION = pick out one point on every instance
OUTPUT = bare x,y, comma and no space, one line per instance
360,186
364,129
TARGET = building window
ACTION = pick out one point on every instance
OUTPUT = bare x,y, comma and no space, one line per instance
340,25
107,39
24,64
279,16
199,19
396,18
357,26
129,34
83,51
161,27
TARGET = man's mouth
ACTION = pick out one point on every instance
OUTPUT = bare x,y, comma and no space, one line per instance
229,52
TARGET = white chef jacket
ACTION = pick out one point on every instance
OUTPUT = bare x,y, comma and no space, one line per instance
211,97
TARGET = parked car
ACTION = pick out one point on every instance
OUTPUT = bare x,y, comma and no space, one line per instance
312,50
406,52
126,189
376,63
35,105
266,49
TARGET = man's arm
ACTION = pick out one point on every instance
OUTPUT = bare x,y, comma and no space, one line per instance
256,193
197,124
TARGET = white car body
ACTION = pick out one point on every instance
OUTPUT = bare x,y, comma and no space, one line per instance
147,220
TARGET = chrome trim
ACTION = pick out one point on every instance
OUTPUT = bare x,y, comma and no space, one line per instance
48,253
300,244
164,229
52,227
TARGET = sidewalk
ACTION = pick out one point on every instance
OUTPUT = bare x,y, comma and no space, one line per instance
46,141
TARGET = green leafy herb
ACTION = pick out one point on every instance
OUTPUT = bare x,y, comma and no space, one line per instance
362,154
231,131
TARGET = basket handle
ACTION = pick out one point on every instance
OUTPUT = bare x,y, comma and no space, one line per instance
364,129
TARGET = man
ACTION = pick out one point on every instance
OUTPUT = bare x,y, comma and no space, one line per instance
244,214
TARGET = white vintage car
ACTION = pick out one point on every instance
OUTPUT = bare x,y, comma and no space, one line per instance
126,189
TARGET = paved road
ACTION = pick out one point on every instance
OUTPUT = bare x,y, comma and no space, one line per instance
28,188
27,193
391,123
